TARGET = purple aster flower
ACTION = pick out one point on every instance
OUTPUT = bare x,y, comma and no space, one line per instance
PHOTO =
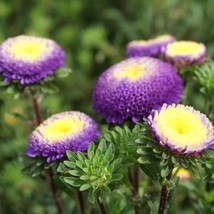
182,129
29,59
185,53
135,86
151,47
71,130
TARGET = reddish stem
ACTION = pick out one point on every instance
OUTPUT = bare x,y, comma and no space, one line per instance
134,180
49,172
101,205
81,202
164,194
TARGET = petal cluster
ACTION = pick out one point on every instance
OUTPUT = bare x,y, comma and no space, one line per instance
182,129
135,86
29,59
185,53
151,47
71,130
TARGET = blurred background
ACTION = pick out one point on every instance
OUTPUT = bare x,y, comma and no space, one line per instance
94,35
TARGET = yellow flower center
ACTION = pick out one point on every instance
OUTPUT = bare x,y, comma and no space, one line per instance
131,72
184,48
62,128
181,126
29,50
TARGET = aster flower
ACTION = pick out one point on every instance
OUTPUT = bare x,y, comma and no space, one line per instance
29,59
151,47
182,129
135,86
71,130
185,53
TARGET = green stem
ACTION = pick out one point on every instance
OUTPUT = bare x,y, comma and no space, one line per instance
164,194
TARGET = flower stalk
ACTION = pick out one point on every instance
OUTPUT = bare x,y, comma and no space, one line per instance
49,172
164,194
134,180
81,202
101,205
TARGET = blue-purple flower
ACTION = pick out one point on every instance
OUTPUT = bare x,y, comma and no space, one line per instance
71,130
182,129
152,47
29,59
185,53
135,86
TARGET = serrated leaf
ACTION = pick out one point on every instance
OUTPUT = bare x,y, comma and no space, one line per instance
85,187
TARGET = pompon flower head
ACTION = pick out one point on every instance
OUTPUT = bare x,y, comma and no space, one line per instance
152,47
135,86
29,59
64,131
185,53
182,129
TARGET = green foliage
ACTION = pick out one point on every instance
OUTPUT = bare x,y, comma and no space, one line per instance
123,138
37,166
204,75
94,172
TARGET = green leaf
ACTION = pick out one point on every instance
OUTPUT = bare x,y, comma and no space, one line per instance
76,182
152,170
81,157
91,197
62,168
102,146
146,159
116,163
49,88
70,164
71,156
166,170
63,72
85,187
84,177
91,149
106,189
80,164
74,172
116,177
